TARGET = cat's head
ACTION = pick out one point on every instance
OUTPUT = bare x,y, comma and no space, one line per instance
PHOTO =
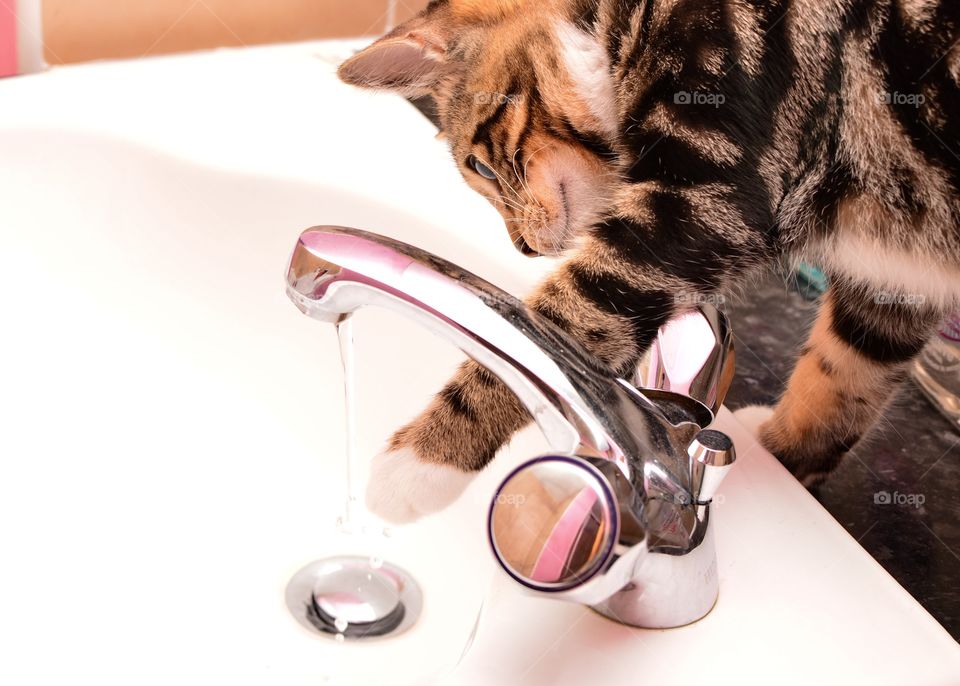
526,104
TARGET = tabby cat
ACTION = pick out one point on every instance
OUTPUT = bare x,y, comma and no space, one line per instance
671,149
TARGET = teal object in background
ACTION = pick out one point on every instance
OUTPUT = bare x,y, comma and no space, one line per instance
808,281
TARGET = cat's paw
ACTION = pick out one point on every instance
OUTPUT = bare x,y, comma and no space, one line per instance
808,470
403,488
752,417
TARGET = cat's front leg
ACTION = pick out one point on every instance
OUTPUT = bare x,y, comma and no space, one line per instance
431,460
663,250
611,309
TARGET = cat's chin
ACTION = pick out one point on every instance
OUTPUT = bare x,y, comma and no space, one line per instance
563,242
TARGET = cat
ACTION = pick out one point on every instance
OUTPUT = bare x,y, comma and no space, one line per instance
673,149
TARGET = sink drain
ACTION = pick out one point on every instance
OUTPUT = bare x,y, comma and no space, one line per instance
352,597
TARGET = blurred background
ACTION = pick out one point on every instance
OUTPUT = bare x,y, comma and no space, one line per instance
82,30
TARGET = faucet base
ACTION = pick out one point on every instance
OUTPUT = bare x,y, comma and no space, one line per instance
668,591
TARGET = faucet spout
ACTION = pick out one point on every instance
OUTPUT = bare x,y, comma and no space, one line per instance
618,487
335,271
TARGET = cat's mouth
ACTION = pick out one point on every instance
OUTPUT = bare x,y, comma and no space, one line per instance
525,248
549,235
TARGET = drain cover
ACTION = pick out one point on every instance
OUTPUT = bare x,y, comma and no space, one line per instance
352,597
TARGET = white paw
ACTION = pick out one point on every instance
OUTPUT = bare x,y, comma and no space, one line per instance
752,416
403,488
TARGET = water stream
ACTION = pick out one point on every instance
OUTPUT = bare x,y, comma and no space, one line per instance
356,597
347,521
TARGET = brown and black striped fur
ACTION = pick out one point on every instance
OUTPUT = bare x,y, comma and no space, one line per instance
698,142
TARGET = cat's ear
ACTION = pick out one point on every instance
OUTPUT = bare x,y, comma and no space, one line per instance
409,59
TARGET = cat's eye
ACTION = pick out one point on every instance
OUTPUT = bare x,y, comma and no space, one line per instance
479,167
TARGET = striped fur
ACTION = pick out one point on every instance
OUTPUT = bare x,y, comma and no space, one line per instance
672,148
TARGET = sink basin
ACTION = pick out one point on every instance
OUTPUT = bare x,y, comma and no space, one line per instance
172,443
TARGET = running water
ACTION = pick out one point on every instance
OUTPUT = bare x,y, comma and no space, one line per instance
344,326
375,588
354,518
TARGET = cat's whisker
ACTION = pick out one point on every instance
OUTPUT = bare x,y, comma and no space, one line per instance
500,177
512,204
508,202
521,179
527,163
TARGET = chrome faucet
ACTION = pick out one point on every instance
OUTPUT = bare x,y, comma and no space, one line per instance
617,516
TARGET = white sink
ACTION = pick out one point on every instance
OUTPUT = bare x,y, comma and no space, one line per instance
171,444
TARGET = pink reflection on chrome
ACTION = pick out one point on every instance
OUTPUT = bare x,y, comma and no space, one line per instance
556,551
682,349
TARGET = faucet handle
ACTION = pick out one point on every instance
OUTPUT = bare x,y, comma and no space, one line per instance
711,456
692,355
554,522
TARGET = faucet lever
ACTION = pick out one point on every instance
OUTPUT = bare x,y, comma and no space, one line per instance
711,457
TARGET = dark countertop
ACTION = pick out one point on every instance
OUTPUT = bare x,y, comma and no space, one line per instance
912,450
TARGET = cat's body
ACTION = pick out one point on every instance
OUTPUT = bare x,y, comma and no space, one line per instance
673,148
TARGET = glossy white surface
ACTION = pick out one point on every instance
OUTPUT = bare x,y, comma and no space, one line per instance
172,426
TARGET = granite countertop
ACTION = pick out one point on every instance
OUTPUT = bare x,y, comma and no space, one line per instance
912,450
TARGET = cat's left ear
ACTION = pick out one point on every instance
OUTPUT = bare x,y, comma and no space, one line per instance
409,59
